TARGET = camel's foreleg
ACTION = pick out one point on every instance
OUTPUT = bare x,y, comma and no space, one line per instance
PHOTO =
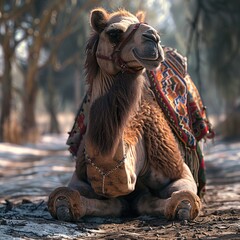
177,200
182,205
69,203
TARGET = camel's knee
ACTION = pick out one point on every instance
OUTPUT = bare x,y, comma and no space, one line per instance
183,204
66,204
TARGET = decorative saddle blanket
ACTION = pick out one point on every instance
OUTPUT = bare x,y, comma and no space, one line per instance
179,99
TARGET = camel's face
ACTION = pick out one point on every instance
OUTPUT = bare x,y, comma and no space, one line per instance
123,40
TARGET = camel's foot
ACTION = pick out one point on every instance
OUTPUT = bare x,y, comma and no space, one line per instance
66,204
184,205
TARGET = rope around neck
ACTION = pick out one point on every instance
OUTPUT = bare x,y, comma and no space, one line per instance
102,172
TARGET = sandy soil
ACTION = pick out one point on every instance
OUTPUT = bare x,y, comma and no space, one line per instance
24,190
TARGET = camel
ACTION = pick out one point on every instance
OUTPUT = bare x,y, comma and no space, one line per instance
129,160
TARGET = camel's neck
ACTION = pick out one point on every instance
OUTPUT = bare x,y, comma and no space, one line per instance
114,99
101,85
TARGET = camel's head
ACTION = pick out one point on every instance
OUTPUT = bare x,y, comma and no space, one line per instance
125,42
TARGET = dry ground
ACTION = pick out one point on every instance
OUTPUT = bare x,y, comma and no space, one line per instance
24,215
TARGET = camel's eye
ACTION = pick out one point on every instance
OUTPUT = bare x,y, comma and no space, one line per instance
115,35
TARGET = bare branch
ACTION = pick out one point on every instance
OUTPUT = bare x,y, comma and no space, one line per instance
72,27
61,66
17,12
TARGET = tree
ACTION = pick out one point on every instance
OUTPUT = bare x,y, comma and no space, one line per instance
41,28
12,14
42,25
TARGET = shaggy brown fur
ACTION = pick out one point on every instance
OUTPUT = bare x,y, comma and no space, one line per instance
110,112
161,146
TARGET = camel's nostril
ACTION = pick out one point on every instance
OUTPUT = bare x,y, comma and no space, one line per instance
150,31
150,34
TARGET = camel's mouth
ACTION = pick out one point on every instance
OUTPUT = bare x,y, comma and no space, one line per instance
151,56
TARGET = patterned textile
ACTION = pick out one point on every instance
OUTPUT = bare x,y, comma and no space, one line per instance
179,99
79,127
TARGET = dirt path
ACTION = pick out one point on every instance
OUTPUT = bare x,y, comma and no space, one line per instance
29,173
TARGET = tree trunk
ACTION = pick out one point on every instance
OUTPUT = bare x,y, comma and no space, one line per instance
6,98
51,106
6,102
30,132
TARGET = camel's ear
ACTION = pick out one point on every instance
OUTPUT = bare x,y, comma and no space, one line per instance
141,16
98,19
